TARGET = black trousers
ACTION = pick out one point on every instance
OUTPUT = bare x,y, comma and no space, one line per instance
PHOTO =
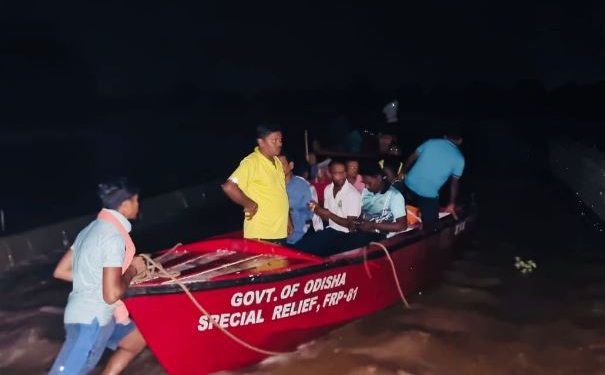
277,241
329,241
429,208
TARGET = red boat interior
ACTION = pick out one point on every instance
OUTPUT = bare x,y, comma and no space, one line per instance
225,258
228,257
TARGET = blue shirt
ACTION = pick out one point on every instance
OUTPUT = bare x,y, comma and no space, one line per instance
96,246
382,207
299,196
438,160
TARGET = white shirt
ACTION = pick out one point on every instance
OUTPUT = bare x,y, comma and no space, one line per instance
318,224
346,203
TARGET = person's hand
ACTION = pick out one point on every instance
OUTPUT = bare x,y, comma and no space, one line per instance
451,208
290,227
352,224
367,226
250,210
312,206
322,212
139,264
318,210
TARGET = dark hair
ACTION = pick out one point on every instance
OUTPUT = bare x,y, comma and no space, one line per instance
264,130
287,155
392,163
371,168
336,161
301,168
115,191
454,131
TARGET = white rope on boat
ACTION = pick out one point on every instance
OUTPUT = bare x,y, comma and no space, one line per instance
395,276
153,265
162,271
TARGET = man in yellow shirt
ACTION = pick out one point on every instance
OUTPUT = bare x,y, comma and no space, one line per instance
259,186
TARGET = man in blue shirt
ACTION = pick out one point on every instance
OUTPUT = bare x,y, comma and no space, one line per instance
432,164
383,212
95,265
299,196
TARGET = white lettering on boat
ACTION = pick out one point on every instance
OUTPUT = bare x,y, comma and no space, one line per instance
288,290
291,300
325,283
334,298
252,297
294,308
459,228
227,320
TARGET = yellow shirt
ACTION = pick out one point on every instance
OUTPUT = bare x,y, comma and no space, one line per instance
265,183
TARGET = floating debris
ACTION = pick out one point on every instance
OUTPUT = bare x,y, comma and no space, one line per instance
525,266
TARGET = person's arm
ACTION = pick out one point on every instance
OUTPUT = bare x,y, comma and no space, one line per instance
307,197
64,269
397,208
454,184
399,225
329,215
115,283
290,227
451,207
408,163
239,197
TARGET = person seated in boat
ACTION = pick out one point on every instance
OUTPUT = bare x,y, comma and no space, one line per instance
353,175
383,211
393,171
342,205
299,196
259,186
101,264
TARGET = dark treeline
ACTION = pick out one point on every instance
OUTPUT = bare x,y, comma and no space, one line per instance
55,149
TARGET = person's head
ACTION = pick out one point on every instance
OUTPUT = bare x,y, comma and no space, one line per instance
302,168
394,150
391,167
352,169
311,158
287,162
373,177
120,195
454,134
269,139
338,172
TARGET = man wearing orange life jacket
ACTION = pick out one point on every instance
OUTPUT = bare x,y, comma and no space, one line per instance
101,264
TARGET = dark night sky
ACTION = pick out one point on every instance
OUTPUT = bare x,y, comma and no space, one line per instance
83,75
148,47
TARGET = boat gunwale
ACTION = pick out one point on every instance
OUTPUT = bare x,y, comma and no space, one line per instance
407,238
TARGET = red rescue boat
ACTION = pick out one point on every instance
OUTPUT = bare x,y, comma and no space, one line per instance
272,297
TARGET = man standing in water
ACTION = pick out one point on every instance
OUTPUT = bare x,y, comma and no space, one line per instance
259,186
101,264
432,164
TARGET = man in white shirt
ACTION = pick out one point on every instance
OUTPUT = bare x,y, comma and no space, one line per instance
342,205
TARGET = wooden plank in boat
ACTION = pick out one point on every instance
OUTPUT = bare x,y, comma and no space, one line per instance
203,259
224,269
170,255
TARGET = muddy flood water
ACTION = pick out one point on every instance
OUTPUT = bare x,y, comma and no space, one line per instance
485,317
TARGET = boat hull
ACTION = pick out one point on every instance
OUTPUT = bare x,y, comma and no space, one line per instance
280,311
